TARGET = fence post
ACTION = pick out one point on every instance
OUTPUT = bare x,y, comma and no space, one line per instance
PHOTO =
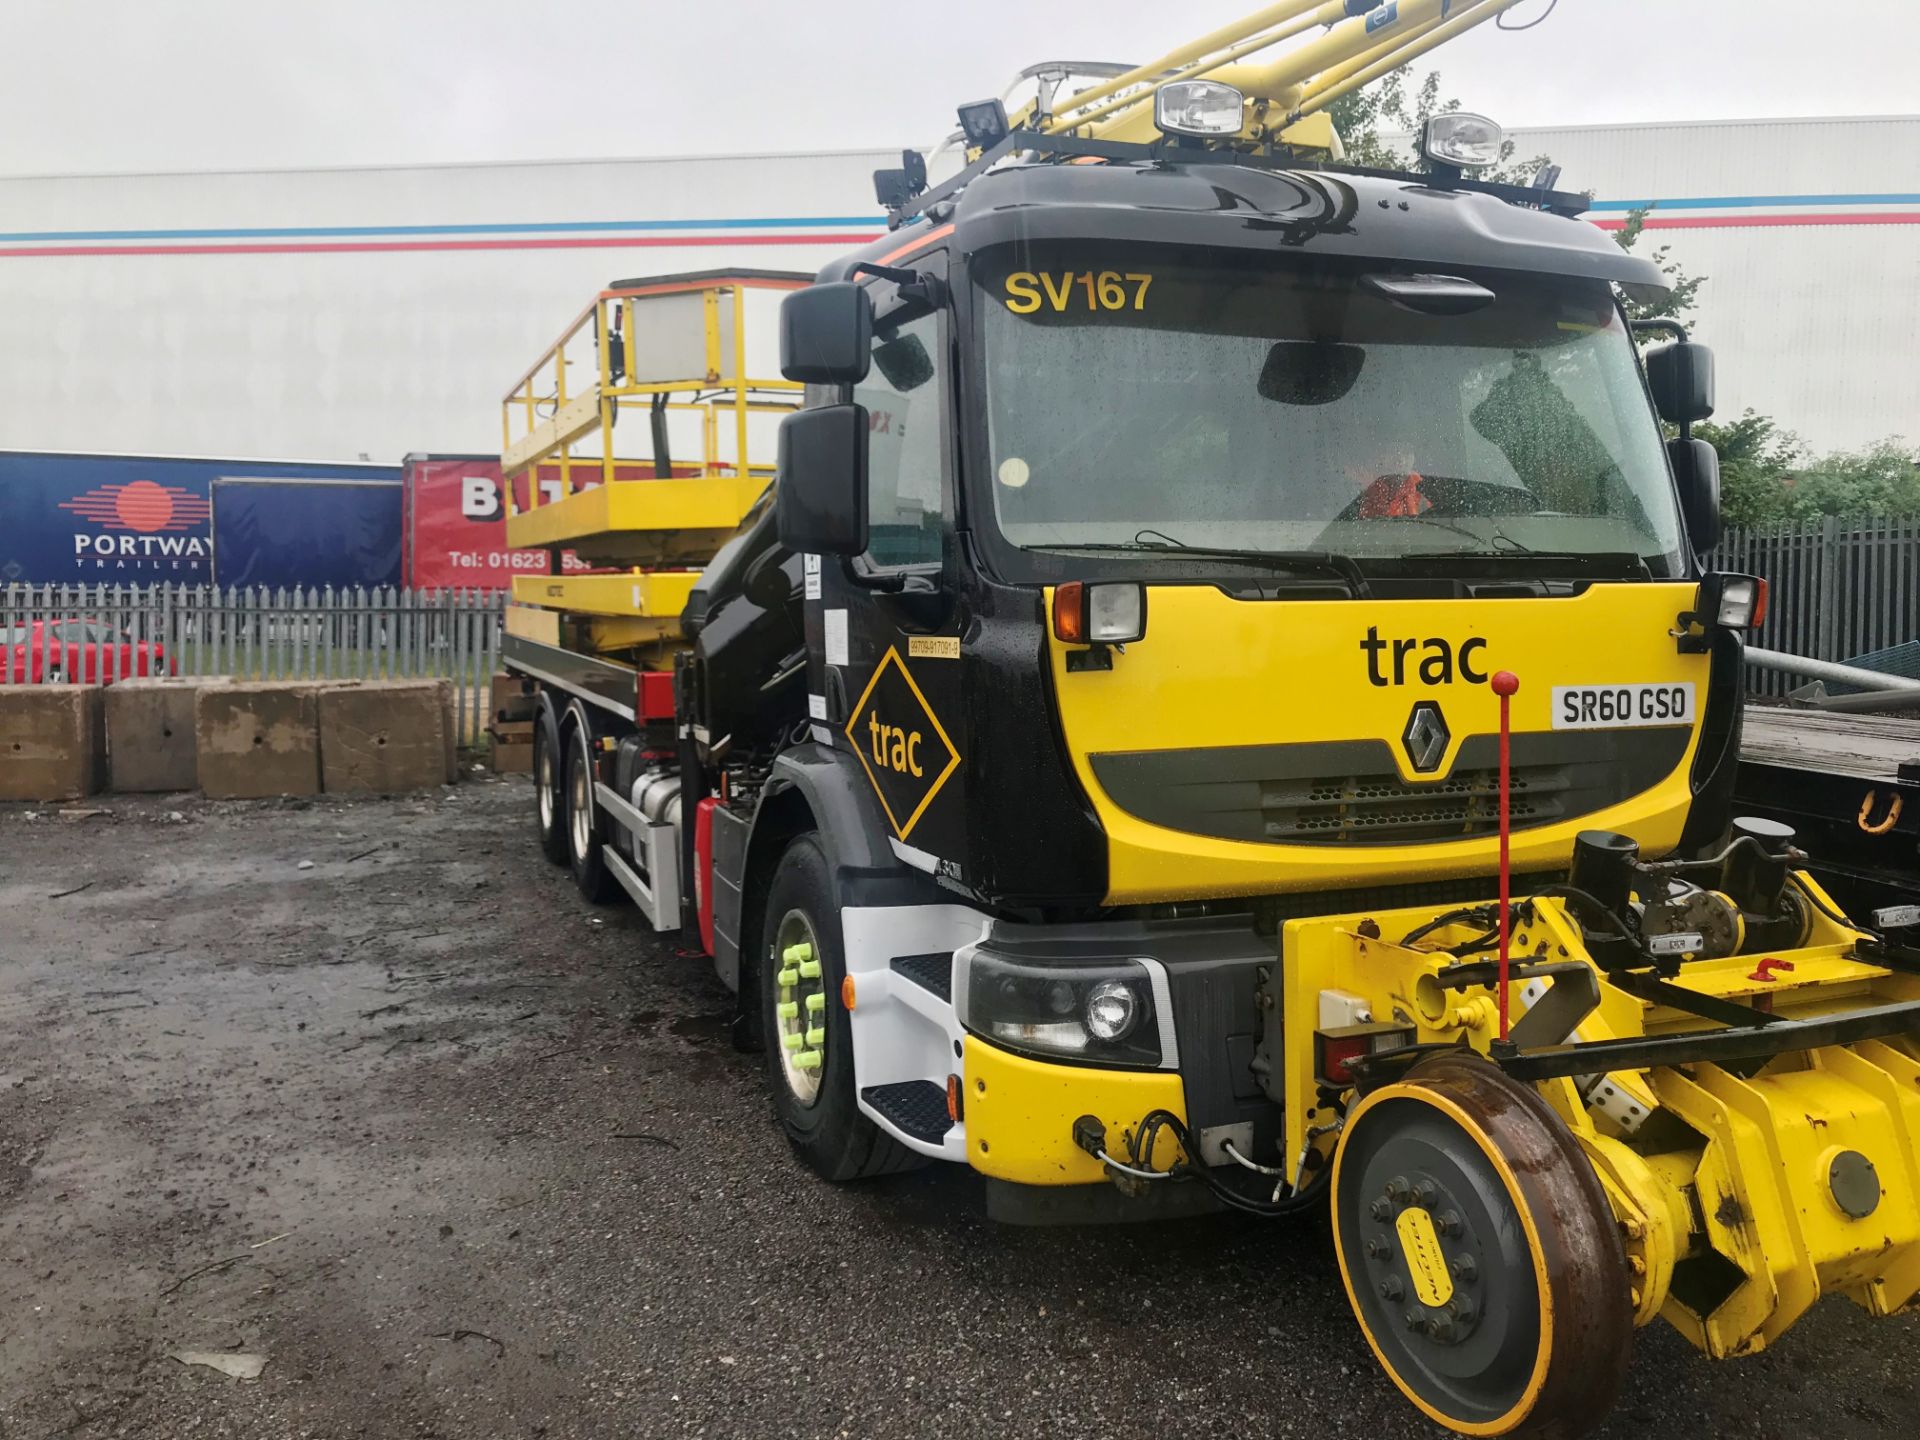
1829,588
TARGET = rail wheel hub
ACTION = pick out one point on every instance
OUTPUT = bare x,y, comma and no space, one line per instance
1480,1253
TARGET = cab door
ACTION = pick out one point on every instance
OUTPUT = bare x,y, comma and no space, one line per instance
886,629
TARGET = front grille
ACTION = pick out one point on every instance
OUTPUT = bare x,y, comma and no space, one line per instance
1385,807
1349,792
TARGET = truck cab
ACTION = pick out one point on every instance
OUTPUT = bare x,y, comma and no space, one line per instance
1162,527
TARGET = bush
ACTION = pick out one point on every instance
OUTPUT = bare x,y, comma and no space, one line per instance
1766,475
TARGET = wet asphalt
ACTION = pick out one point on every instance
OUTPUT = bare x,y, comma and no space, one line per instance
461,1156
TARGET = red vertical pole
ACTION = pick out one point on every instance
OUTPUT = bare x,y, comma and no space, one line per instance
1505,683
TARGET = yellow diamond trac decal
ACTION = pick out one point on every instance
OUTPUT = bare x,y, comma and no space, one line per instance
902,744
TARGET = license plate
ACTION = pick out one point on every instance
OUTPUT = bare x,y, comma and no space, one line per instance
1620,707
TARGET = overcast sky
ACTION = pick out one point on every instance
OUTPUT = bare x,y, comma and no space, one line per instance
139,85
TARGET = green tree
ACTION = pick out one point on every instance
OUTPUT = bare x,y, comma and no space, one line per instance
1757,459
1366,119
1766,475
1882,479
1677,303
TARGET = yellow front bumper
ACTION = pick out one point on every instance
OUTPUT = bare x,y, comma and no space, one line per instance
1019,1114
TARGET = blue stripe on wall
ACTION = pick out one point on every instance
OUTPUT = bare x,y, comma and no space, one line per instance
1739,202
295,232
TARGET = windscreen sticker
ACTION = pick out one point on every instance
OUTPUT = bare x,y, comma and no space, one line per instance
1091,291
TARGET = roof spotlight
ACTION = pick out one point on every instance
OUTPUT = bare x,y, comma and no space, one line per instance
1461,140
984,123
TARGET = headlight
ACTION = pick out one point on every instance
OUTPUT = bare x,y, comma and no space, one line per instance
1198,107
1099,1011
1113,1008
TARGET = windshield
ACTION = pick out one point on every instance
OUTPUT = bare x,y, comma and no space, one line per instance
1161,398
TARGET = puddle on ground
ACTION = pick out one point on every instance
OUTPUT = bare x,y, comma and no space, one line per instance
703,1028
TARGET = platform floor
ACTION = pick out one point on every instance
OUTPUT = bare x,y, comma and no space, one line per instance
1871,747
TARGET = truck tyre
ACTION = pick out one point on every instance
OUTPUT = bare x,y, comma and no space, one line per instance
584,847
549,788
809,1045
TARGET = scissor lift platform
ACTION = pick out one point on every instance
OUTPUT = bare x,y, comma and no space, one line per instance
679,357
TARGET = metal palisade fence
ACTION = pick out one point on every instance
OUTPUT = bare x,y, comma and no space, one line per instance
98,634
1840,590
1846,590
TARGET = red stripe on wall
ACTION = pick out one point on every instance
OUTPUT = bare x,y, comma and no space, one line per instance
629,242
1743,222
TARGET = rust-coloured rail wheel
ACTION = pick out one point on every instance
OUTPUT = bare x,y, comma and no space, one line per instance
1481,1256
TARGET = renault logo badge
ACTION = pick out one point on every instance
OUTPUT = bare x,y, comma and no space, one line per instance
1426,737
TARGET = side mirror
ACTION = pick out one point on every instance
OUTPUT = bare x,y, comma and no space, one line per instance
1696,470
826,334
820,500
1681,378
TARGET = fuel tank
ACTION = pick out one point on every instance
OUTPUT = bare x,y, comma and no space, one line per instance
744,619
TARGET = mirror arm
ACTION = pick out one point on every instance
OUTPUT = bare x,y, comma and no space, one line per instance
929,290
1670,327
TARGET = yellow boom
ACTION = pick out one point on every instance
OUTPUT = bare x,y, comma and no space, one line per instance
1361,43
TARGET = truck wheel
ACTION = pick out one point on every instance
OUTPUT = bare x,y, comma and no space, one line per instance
809,1037
584,846
549,799
1480,1254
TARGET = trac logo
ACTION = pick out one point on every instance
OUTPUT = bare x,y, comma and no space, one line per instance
141,526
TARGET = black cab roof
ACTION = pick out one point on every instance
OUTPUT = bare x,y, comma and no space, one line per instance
1330,213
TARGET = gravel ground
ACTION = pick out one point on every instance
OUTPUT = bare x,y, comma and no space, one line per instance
368,1090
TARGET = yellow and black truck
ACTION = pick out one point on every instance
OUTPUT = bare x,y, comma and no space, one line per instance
1221,699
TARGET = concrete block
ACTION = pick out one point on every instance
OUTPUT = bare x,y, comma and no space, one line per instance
52,742
509,754
150,732
258,739
386,737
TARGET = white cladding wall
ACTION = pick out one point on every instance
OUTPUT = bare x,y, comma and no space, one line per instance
340,313
1812,293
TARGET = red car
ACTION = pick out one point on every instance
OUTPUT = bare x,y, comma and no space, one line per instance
42,652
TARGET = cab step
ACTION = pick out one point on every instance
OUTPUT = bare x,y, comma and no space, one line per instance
933,973
917,1108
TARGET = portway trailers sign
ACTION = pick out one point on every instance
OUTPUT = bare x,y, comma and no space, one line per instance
80,519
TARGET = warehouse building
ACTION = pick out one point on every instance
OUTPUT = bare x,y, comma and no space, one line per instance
362,314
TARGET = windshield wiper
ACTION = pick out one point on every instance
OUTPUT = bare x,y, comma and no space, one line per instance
1609,559
1329,561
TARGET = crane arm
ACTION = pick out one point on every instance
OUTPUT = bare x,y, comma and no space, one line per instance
1363,40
